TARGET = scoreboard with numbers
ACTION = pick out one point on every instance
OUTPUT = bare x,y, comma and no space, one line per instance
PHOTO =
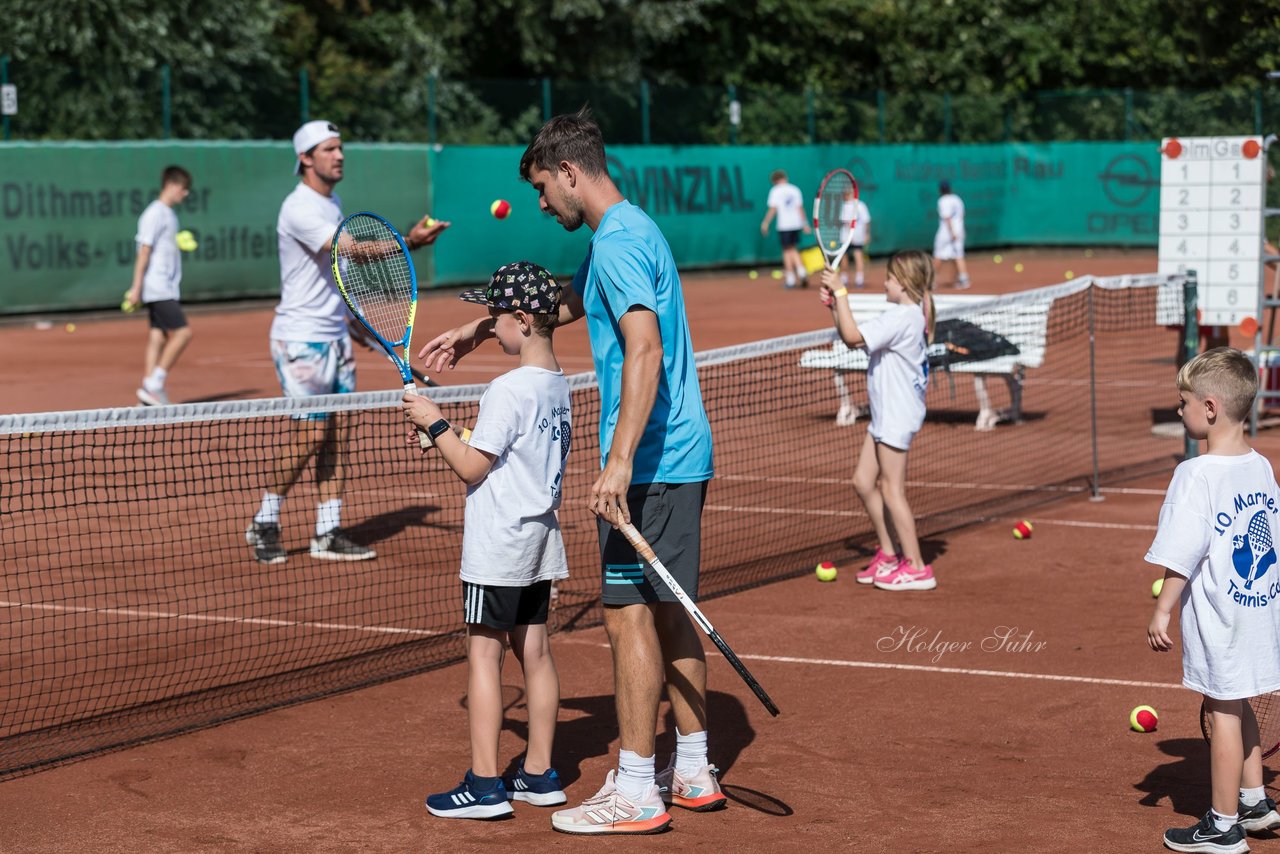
1212,190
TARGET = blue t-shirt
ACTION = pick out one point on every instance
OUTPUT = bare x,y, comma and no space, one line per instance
630,264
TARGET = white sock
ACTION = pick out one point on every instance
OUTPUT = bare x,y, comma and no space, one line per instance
691,752
635,774
844,278
328,516
1224,822
155,380
269,513
963,277
857,279
1249,797
791,278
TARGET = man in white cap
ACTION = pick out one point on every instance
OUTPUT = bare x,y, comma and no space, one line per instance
311,346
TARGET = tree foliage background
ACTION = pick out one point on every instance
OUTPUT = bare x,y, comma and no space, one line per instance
91,69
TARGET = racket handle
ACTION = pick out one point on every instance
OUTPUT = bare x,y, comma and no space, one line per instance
424,441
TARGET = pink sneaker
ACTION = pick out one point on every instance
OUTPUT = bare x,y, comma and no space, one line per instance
608,811
880,567
907,577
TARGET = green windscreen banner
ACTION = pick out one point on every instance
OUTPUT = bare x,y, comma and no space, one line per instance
69,211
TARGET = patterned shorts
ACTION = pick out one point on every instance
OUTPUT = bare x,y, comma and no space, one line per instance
307,368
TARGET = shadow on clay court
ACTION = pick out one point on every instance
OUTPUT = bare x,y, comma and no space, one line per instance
592,731
930,549
384,526
1185,780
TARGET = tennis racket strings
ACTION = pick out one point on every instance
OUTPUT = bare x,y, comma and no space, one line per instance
377,276
830,215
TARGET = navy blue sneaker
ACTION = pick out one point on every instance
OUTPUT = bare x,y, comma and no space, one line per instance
1259,817
541,790
474,797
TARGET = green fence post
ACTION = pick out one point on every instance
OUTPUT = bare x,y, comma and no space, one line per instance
546,99
431,109
1128,113
880,108
946,117
813,125
304,96
4,80
166,100
644,111
1008,121
734,113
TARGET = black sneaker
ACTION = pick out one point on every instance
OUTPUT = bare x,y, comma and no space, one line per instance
265,539
1260,816
1205,837
335,545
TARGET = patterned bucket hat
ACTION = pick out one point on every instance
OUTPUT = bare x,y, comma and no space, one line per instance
520,285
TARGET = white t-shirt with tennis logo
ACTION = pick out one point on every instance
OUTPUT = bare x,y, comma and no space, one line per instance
511,537
788,202
855,211
158,228
897,373
311,309
1218,528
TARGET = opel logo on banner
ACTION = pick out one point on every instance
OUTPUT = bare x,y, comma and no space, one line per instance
1127,180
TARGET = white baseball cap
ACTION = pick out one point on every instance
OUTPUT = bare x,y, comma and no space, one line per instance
309,136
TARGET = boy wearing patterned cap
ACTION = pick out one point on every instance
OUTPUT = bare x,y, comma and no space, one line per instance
512,551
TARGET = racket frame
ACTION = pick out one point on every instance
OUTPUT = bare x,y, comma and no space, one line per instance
642,547
401,361
833,257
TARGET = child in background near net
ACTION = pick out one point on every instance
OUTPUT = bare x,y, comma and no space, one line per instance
854,214
1216,540
897,378
512,551
786,202
157,274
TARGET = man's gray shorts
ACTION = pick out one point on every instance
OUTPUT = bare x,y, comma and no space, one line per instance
669,516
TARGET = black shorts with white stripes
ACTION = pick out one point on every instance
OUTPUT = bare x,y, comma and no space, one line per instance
504,608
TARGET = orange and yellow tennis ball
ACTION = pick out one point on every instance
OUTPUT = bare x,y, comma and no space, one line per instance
1143,719
500,208
826,571
1022,530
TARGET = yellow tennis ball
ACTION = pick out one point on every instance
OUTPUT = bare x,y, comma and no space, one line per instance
1143,719
1157,587
1070,275
71,327
777,274
186,241
753,275
826,571
1017,268
999,259
1088,253
430,222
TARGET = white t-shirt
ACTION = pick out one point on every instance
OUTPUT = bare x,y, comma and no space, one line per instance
787,200
855,211
1218,528
897,373
158,228
511,537
311,309
950,207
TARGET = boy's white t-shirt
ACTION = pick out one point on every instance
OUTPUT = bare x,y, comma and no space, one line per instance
855,211
950,207
897,372
511,537
310,309
1218,527
158,228
787,200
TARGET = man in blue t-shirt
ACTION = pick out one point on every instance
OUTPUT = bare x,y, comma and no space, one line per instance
655,448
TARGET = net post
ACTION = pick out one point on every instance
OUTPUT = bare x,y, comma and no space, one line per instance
1190,343
166,104
1096,485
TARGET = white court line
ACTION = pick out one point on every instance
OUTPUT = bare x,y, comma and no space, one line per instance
210,618
925,668
859,514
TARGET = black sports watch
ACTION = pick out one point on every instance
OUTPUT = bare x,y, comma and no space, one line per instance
437,429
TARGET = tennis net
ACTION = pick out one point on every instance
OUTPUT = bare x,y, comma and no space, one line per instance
134,609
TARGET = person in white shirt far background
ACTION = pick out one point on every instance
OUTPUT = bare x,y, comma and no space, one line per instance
311,346
948,243
157,277
855,214
786,202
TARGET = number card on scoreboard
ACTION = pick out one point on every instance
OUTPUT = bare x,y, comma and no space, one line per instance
1212,190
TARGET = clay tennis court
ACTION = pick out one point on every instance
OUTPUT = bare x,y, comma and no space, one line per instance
990,714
